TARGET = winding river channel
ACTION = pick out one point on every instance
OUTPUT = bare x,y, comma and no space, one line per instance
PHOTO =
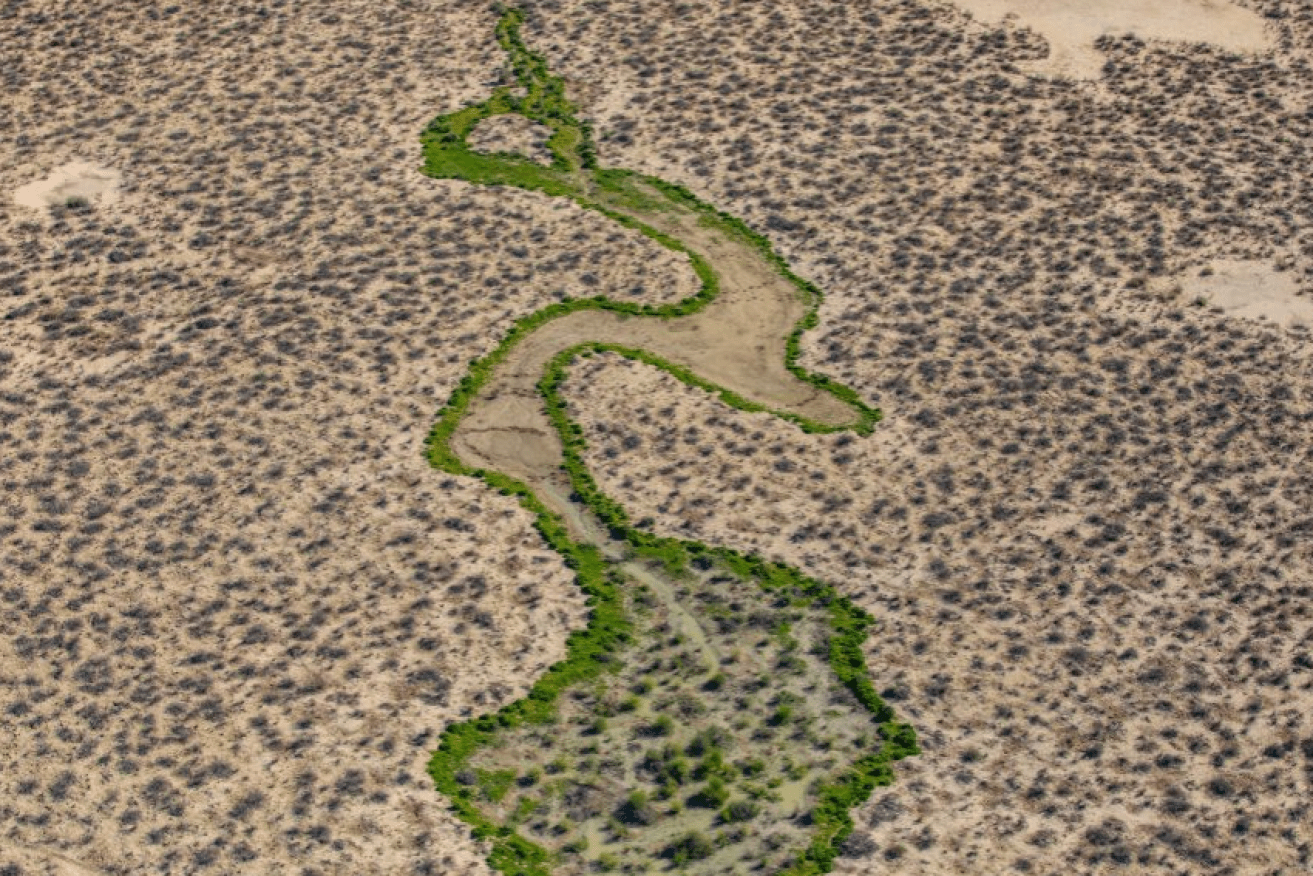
736,341
717,712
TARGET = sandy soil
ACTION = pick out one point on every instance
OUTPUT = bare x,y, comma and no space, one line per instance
1083,519
1250,290
1073,29
42,862
683,639
1085,681
1088,532
75,180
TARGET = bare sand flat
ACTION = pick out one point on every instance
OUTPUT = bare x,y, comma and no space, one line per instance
75,180
1071,28
1251,290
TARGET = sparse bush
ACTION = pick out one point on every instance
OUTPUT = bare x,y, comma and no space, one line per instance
637,809
739,810
692,846
712,795
663,725
859,844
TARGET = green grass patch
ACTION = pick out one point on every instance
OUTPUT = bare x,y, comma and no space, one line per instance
495,783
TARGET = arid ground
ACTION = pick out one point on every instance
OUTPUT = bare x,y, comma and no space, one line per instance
237,607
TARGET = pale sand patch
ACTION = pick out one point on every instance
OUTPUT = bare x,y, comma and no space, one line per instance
1252,290
77,179
1071,28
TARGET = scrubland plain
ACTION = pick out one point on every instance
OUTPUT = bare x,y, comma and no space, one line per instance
236,606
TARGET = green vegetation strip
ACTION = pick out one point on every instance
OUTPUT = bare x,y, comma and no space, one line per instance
590,651
576,176
849,622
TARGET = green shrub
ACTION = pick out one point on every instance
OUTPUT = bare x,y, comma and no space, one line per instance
675,770
712,796
739,810
495,783
751,768
713,764
707,740
692,846
637,809
664,725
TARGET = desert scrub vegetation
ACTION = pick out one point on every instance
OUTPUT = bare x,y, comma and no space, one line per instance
1030,527
537,95
604,651
685,465
619,194
513,135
